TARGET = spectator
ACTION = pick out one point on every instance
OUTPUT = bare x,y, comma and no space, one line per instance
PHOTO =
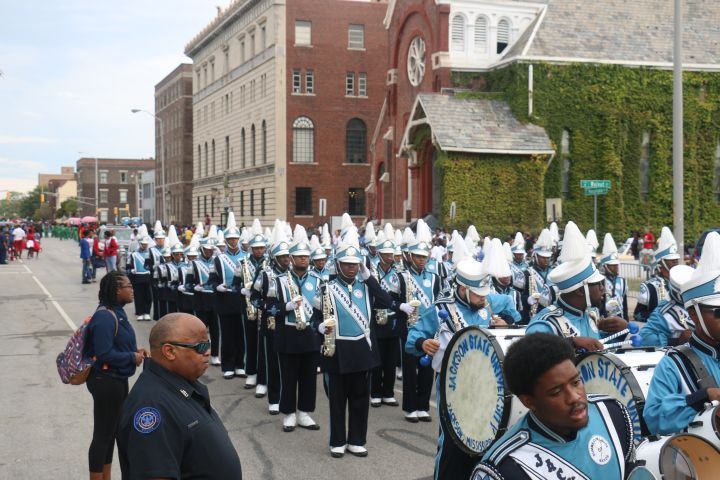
110,251
18,235
648,239
3,246
30,243
86,256
635,245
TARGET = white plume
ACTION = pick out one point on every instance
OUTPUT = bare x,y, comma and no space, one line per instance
609,246
231,221
574,244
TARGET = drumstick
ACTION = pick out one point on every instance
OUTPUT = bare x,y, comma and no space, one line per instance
426,359
631,328
635,341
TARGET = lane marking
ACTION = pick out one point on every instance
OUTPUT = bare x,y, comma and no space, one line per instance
54,302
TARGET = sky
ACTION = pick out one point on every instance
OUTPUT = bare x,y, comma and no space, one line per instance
73,69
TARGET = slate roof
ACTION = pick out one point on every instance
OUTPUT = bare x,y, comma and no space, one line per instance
633,31
479,125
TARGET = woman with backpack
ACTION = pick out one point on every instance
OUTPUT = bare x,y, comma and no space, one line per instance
111,343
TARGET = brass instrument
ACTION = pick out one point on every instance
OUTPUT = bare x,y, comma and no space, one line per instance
297,299
532,290
411,300
381,314
271,292
328,347
250,309
662,291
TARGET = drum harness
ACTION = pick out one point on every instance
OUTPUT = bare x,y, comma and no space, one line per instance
704,378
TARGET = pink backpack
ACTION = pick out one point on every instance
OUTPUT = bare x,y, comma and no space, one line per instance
72,364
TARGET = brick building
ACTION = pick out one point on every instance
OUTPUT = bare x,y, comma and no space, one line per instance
66,173
286,96
173,106
117,186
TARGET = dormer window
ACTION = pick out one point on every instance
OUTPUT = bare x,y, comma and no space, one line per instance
481,24
457,33
503,35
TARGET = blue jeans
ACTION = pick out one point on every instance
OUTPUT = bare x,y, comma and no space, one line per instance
87,270
111,263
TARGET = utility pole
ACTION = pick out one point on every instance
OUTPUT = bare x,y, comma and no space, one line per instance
678,175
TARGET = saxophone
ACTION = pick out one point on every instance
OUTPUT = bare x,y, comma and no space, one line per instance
381,316
662,292
411,300
251,310
297,299
328,347
271,292
532,290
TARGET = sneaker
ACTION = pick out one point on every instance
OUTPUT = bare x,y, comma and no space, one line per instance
260,391
85,282
423,416
390,401
357,450
274,409
398,373
375,402
304,420
250,382
337,452
411,417
215,361
240,372
289,423
228,375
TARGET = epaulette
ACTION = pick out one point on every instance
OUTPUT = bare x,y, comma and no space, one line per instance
485,471
509,445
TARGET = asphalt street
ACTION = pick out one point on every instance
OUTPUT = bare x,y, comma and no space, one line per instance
45,426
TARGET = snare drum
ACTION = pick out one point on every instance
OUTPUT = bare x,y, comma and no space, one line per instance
707,425
476,406
679,457
625,375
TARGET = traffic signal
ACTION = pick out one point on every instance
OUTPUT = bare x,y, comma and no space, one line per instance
42,198
115,211
127,207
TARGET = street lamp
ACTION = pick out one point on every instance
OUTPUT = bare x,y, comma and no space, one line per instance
96,180
162,161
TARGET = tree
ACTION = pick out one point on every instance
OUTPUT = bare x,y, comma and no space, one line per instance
44,212
68,208
29,203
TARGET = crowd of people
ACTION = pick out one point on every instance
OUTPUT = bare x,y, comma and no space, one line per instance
370,307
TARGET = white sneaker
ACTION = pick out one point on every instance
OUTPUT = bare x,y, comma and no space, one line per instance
214,360
240,372
390,401
305,421
260,391
398,373
228,375
375,402
274,408
337,452
289,423
357,450
411,417
148,317
423,416
250,382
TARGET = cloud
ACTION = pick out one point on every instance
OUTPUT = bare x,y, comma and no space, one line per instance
10,139
21,185
18,167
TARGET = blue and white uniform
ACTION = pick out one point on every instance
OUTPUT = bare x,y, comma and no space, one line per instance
652,292
666,324
563,320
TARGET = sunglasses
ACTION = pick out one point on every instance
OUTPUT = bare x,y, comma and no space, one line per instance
199,347
715,310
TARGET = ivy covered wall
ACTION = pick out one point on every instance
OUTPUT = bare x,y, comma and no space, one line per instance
606,109
491,192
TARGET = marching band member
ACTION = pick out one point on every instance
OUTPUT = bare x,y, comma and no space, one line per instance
566,433
575,314
592,242
186,277
679,388
538,290
154,259
423,286
227,301
615,286
173,268
655,289
518,251
263,295
497,265
140,277
370,251
669,324
295,340
163,280
318,259
203,299
342,315
220,245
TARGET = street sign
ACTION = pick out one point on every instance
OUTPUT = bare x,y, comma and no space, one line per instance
595,191
595,184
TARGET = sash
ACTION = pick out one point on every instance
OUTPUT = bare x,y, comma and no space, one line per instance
157,255
172,272
343,299
139,262
387,284
418,291
203,271
540,463
228,265
306,305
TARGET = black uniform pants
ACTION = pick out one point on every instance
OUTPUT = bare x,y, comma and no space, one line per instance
143,298
251,345
452,462
383,376
158,304
232,346
348,391
108,394
268,372
209,318
298,388
417,384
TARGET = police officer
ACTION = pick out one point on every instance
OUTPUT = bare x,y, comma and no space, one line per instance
168,428
680,386
155,259
566,433
655,289
139,276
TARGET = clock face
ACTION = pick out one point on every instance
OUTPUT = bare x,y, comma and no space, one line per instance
416,61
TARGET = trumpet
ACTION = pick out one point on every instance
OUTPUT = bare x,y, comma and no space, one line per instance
252,312
328,347
297,299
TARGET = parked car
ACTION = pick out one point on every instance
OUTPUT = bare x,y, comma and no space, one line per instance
123,235
701,241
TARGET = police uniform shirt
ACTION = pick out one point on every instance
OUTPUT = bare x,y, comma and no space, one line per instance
665,325
674,397
563,320
169,429
604,448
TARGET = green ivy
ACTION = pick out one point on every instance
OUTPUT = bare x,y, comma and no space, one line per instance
606,109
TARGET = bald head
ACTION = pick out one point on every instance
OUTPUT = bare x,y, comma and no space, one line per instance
165,338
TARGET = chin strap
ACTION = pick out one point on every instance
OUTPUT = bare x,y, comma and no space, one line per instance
701,320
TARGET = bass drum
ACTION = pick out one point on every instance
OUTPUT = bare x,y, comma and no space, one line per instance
476,406
679,457
707,425
625,375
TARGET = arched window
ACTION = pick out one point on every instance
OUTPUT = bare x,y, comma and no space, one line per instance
199,163
252,145
213,156
481,24
565,158
645,166
303,140
503,35
457,33
356,141
206,159
264,141
242,146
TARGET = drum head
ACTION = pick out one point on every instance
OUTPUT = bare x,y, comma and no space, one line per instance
682,457
473,403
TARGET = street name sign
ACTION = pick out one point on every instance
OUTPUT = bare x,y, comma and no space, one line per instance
595,184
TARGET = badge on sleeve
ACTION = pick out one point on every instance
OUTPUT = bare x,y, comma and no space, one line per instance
599,449
146,420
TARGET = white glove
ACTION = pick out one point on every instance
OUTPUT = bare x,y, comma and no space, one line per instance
323,329
290,306
364,271
407,308
245,292
181,288
221,288
198,288
533,299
